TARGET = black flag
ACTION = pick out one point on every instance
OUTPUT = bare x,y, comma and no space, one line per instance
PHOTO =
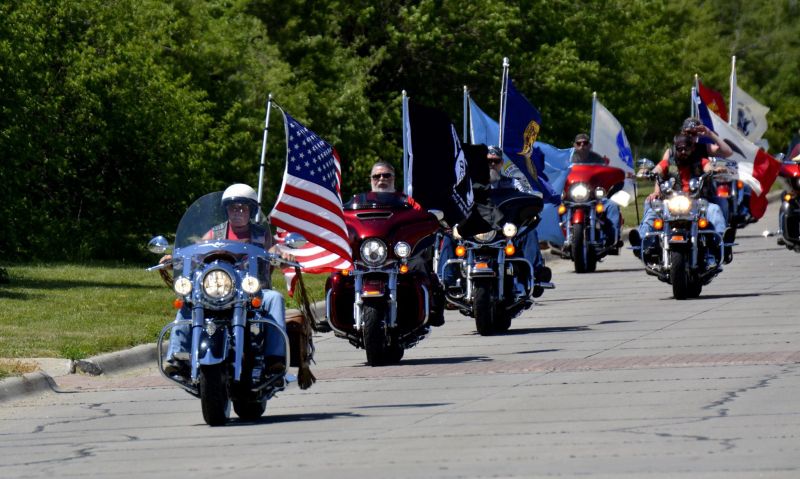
437,168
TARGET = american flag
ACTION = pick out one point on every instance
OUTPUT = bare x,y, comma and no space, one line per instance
310,202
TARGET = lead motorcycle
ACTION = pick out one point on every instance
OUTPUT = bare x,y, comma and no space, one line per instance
688,252
789,214
588,233
383,305
494,283
220,283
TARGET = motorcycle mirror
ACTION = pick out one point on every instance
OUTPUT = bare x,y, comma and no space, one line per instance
780,157
646,164
158,245
295,240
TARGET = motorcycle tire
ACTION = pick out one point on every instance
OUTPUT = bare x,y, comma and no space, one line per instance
215,398
583,256
376,341
678,275
483,307
249,410
502,319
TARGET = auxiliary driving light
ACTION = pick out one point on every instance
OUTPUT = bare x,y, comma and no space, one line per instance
461,251
510,249
658,224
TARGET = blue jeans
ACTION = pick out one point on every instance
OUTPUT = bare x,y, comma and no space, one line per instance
180,340
713,214
527,243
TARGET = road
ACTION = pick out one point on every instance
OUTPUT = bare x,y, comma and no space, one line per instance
607,377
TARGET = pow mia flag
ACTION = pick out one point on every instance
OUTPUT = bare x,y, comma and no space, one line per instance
438,172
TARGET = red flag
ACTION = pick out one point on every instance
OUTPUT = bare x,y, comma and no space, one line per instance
310,202
764,167
713,100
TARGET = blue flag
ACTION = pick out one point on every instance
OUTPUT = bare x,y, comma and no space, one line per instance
556,167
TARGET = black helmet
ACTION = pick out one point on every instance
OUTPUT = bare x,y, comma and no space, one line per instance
691,123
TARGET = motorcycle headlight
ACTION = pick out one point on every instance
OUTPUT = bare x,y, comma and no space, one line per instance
251,284
579,192
217,284
599,193
182,286
485,237
373,252
679,205
509,230
402,249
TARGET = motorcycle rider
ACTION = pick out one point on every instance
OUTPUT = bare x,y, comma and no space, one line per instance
583,155
527,243
382,177
683,165
240,203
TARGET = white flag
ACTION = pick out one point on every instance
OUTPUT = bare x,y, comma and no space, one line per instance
751,116
609,140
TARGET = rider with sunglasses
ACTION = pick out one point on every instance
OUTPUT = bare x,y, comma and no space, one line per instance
683,164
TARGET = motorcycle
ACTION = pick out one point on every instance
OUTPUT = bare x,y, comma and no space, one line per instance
220,282
735,193
789,214
688,252
588,233
383,304
493,284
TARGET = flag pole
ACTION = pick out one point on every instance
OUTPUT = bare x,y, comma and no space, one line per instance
263,155
732,97
695,90
503,101
466,111
406,180
594,112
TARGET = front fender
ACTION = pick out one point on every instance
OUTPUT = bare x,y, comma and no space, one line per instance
578,216
212,349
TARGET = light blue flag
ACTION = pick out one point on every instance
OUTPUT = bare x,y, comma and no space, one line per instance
483,129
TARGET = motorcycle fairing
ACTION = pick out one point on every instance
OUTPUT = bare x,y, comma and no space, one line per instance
609,178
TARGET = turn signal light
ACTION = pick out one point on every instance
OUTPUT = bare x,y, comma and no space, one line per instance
702,223
677,238
739,184
481,265
599,207
658,224
460,251
345,272
510,249
256,302
787,197
403,268
177,303
562,209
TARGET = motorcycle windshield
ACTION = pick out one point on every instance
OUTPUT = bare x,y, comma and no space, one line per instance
205,213
376,200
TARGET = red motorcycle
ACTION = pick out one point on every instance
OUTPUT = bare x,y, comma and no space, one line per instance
789,214
383,304
588,232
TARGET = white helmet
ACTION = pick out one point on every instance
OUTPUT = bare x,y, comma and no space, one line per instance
241,193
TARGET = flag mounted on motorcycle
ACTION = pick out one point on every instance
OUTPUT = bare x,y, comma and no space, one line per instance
437,173
609,140
757,168
310,202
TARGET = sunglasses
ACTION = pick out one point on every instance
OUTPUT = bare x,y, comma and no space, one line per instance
681,149
581,143
378,176
494,161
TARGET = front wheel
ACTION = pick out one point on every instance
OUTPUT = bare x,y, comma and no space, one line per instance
679,275
583,255
215,398
249,410
376,339
483,307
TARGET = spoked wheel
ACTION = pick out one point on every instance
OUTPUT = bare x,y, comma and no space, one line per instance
483,307
678,275
215,398
583,256
376,340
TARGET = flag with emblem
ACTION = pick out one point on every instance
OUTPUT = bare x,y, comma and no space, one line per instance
310,202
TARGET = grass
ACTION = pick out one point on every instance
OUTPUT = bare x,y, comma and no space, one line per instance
643,188
75,311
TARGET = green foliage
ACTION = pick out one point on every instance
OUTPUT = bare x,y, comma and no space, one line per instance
114,116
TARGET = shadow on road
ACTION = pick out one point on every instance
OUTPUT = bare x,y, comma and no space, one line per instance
453,360
563,329
617,270
537,351
411,405
277,419
734,295
614,321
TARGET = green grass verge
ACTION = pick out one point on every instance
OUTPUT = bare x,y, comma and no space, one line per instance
76,311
